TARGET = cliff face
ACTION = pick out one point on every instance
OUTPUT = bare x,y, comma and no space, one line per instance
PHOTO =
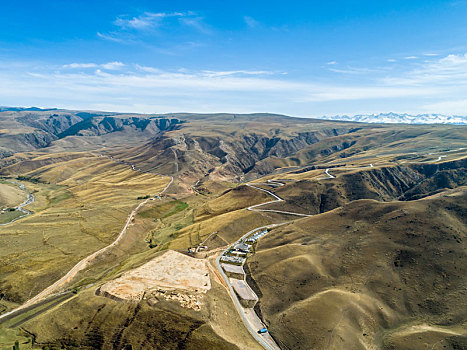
404,183
54,124
229,156
97,126
30,130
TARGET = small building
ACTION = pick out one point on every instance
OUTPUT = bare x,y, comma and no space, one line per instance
232,260
245,294
242,247
234,271
254,237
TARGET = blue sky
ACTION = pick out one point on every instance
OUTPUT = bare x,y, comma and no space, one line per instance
303,58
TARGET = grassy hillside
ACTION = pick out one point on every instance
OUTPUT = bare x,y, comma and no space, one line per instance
81,205
380,266
366,275
10,195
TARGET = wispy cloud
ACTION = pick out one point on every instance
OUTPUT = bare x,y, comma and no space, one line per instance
136,29
239,72
439,85
410,58
450,70
109,65
112,37
351,70
251,22
113,65
197,23
145,21
80,65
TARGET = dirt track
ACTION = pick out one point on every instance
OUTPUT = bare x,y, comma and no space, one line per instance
81,264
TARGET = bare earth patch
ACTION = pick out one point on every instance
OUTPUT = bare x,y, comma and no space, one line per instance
172,276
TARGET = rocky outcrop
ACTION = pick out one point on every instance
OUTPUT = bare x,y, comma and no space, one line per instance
97,126
227,156
54,124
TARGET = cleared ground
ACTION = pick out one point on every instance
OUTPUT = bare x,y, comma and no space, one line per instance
170,270
345,279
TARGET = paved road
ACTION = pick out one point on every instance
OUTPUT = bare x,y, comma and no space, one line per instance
276,200
327,173
249,317
83,263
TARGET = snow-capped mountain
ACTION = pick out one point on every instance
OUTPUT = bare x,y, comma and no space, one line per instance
402,118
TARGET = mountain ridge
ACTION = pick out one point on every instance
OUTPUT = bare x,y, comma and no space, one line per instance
401,118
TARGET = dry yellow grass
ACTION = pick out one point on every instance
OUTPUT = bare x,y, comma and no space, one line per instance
11,195
82,210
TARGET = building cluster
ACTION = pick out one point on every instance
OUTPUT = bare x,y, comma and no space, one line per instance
254,237
232,264
236,260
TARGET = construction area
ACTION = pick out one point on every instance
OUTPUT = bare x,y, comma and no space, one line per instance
245,294
232,264
170,276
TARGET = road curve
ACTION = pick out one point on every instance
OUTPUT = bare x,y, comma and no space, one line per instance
84,262
276,200
327,173
270,344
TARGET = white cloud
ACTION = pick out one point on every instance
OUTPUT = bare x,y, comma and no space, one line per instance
196,23
112,65
110,37
148,69
251,22
439,85
331,63
351,70
137,29
447,71
410,58
239,72
145,21
391,60
109,65
80,65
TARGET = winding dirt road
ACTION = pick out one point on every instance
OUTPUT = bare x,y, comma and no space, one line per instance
83,263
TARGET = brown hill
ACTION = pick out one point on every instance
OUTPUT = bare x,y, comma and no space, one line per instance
368,275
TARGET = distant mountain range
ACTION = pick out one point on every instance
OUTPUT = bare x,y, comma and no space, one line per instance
390,118
405,118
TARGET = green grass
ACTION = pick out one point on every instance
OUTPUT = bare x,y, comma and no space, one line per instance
7,216
35,311
83,209
9,336
164,210
61,196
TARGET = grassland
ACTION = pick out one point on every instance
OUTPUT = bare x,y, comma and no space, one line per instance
349,278
9,216
361,275
81,205
10,195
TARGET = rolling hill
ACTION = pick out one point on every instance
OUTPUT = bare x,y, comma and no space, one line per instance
379,263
